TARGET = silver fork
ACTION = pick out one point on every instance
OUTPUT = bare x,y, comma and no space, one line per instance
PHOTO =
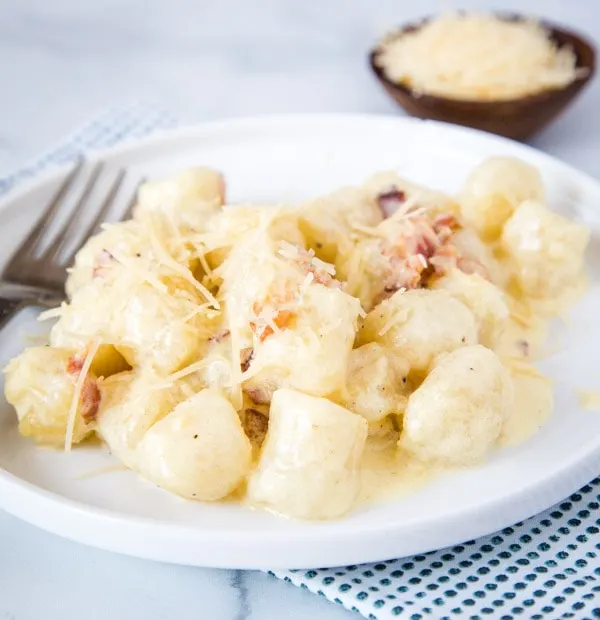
37,276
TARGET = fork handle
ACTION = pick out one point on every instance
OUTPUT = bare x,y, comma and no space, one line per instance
14,297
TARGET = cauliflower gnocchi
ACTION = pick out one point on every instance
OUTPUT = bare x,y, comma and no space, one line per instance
456,415
495,189
40,385
199,450
257,351
486,301
419,325
547,249
189,200
377,384
309,463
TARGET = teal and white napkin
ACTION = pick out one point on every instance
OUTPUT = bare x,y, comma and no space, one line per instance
545,568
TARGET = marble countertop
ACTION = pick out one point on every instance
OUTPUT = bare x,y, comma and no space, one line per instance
64,61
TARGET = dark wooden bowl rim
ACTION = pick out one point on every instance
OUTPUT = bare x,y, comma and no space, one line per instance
556,34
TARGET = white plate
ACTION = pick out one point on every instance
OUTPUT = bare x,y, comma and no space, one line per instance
288,158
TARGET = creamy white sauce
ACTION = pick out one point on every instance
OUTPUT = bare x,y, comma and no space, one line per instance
532,405
589,400
387,473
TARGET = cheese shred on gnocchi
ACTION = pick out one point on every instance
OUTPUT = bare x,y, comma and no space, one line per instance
273,354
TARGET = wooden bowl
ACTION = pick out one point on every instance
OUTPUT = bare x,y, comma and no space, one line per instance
514,118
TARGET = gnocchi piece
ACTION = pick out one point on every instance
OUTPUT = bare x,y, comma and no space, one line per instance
254,273
40,384
328,222
310,351
98,257
456,415
131,404
420,324
486,301
190,199
365,269
156,328
126,246
149,327
547,250
493,191
308,468
234,223
474,256
376,384
199,450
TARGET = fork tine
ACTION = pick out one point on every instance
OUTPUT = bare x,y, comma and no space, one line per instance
104,208
52,253
36,233
131,204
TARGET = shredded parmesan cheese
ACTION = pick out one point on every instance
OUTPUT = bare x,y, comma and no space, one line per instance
180,374
387,326
167,260
89,358
518,365
520,319
53,313
477,57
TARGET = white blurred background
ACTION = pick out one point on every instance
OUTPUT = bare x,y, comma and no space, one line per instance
64,61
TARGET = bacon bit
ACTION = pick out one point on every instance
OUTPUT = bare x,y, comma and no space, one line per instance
445,259
444,226
390,201
445,220
260,394
426,246
444,235
246,357
418,237
219,336
405,274
75,364
422,251
324,278
256,425
307,260
90,394
103,259
391,288
90,400
282,319
470,266
257,308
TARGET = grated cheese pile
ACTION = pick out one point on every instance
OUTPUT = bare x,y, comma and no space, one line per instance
477,57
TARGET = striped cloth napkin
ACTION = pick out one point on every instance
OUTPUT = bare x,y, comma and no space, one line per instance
546,568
